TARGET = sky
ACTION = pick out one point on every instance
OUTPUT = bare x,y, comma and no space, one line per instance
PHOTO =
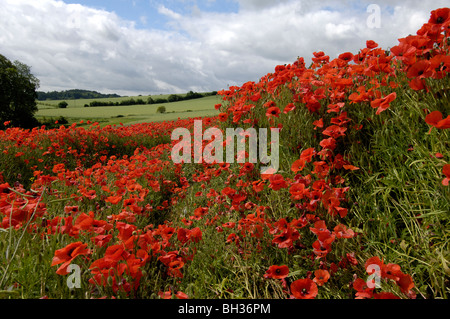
133,47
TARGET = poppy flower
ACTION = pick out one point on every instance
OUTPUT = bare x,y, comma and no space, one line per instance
334,131
286,238
298,165
370,44
114,200
233,238
297,191
440,16
363,291
417,84
277,272
223,117
371,262
446,171
405,282
420,69
335,107
329,143
277,182
383,103
181,295
308,154
289,108
67,254
318,124
385,295
391,271
347,56
435,119
321,277
342,231
304,289
273,111
319,227
101,240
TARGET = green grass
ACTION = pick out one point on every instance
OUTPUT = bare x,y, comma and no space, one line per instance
130,114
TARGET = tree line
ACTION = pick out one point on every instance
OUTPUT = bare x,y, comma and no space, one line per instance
74,94
150,100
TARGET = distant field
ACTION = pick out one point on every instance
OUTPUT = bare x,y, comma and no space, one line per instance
129,114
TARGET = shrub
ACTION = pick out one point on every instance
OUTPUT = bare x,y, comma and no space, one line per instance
62,105
161,109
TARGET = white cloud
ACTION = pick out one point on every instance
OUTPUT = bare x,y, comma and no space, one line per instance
72,46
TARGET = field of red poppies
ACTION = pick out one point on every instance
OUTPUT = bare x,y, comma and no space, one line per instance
359,207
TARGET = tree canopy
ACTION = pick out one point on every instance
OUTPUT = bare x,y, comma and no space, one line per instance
17,94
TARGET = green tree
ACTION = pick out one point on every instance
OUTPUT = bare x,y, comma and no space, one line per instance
161,109
63,104
174,98
17,94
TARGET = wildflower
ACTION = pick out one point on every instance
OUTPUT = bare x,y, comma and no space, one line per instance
446,171
304,289
277,272
435,120
321,277
67,254
273,111
383,103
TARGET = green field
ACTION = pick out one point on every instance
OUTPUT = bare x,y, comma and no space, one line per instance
129,114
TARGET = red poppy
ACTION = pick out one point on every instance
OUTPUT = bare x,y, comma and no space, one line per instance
321,277
385,295
308,154
304,289
417,84
440,16
435,119
318,124
297,191
335,107
181,295
446,171
373,264
342,231
334,131
298,165
405,282
383,103
114,200
67,254
286,238
273,111
277,182
347,56
277,272
329,143
420,69
223,117
233,238
370,44
363,291
289,108
101,240
391,271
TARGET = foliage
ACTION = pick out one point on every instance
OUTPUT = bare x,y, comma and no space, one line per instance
17,94
161,109
74,94
62,105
